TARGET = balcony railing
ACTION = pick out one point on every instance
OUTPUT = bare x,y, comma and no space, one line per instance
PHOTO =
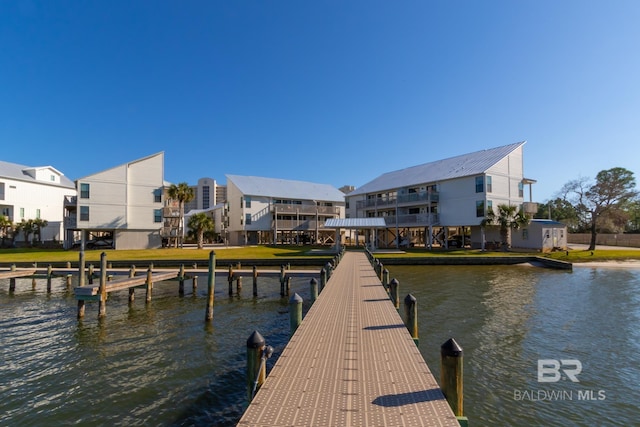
412,220
306,209
170,212
415,198
292,224
70,222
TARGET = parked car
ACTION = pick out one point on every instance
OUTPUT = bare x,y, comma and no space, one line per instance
457,241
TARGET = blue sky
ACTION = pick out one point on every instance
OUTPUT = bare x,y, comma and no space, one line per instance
335,92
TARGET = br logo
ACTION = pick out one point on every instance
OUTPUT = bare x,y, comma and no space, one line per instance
551,370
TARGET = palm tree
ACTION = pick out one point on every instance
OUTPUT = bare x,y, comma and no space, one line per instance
38,225
201,223
27,229
6,227
182,193
508,218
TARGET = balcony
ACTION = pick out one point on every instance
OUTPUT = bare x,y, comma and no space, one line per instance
412,220
70,201
306,210
412,198
170,212
530,208
292,224
70,222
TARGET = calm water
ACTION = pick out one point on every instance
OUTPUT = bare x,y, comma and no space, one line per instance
161,365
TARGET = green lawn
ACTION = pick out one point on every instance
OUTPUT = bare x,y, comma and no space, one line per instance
292,252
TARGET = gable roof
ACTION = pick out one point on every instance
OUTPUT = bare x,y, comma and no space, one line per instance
440,170
19,173
286,189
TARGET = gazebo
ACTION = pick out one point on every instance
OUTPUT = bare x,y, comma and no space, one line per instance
368,225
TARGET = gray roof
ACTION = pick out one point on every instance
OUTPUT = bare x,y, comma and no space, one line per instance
440,170
286,189
18,173
374,222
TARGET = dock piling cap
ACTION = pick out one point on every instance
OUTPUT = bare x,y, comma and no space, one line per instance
255,340
451,348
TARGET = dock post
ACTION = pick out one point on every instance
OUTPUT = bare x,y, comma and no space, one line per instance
12,281
102,306
91,274
80,308
451,375
149,284
132,292
211,283
394,292
255,281
288,288
68,264
49,276
314,289
230,279
329,269
380,271
81,264
282,280
323,279
295,313
255,374
411,313
181,280
69,277
238,284
33,283
194,282
385,279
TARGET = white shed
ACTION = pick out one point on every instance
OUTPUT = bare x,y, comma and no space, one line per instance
543,235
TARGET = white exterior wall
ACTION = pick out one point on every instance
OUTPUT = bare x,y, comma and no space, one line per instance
31,196
260,212
122,198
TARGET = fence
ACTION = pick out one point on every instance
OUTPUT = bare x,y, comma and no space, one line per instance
629,240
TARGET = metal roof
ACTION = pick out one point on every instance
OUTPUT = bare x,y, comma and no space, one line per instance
18,172
376,222
440,170
286,189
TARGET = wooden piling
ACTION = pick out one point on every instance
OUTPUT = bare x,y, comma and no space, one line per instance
282,280
102,303
394,292
81,308
295,312
211,280
288,287
230,279
68,264
323,279
451,376
49,277
385,279
313,283
149,285
255,281
81,265
411,316
255,374
132,293
12,281
181,280
33,283
194,282
69,278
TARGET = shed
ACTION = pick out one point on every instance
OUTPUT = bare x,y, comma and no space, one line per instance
543,235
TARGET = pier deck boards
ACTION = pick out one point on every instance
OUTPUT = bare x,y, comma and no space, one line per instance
120,284
8,274
351,362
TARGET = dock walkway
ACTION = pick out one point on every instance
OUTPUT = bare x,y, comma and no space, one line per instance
351,362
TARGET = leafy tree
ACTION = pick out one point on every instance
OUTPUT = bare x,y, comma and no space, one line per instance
182,193
633,225
507,218
6,228
200,223
601,201
38,225
561,210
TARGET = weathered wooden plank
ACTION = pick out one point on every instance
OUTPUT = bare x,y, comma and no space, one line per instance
17,273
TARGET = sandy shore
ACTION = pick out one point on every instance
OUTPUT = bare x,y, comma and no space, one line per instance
609,264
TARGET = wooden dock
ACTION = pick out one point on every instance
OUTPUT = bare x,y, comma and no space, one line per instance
351,362
13,274
91,292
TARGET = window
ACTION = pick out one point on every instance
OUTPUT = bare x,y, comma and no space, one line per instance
205,198
247,219
241,202
480,208
84,213
157,215
157,195
53,178
520,189
84,191
488,184
1,190
247,201
479,184
525,234
38,213
489,205
21,212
